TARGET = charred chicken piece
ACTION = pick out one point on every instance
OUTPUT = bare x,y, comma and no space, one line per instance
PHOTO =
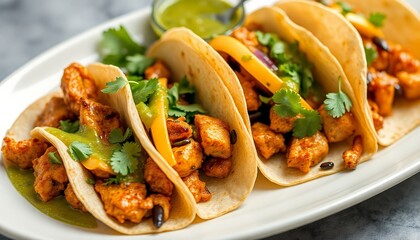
54,112
281,124
156,179
266,141
157,70
197,187
306,152
50,178
351,157
217,167
178,129
188,158
72,199
22,153
337,129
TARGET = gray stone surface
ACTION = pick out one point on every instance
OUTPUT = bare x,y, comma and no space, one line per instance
28,28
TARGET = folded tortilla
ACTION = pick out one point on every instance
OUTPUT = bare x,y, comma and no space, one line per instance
182,60
182,212
334,31
326,70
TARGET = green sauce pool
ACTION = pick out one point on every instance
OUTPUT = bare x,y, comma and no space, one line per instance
197,16
57,208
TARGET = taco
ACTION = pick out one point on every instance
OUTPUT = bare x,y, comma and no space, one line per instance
377,46
285,73
188,121
83,148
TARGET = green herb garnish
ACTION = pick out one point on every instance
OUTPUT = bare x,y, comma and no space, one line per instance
371,54
114,86
69,126
345,8
287,104
117,136
90,181
338,103
377,19
54,158
79,151
124,160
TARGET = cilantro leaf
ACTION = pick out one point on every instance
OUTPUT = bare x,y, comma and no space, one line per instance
345,7
116,135
54,158
116,44
90,181
370,54
287,104
144,90
185,87
69,126
113,180
124,160
265,100
338,103
308,125
377,19
137,64
79,151
114,86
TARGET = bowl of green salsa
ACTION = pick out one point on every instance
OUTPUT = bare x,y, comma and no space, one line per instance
197,15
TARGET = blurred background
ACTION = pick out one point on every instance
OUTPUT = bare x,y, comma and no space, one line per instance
28,28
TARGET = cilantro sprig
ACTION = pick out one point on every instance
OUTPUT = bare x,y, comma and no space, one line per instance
178,110
69,126
140,89
79,151
371,54
117,136
338,103
124,160
54,158
287,104
377,19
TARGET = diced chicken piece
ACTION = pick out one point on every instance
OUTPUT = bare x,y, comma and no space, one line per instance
306,152
281,124
125,201
197,187
378,120
188,158
54,112
72,199
164,202
266,141
217,167
337,129
351,157
102,118
383,88
50,178
157,180
214,135
157,70
248,38
178,129
410,84
402,61
22,153
76,84
252,98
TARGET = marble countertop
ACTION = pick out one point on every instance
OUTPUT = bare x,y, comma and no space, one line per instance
29,28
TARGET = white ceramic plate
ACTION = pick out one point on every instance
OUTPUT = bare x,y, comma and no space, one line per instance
268,210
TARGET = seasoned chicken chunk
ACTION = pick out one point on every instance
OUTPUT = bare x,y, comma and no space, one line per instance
306,152
252,98
281,124
188,158
197,187
76,84
378,120
125,201
102,118
72,199
337,129
410,84
164,202
217,167
22,153
50,178
383,88
178,129
401,60
266,141
54,112
351,157
156,179
157,70
214,135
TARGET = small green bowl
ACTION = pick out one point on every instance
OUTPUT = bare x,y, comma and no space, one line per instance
196,15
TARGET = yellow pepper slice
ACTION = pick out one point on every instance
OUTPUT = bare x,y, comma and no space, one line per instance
158,127
363,26
250,63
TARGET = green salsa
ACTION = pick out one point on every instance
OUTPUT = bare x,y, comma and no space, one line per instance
148,112
57,208
197,16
